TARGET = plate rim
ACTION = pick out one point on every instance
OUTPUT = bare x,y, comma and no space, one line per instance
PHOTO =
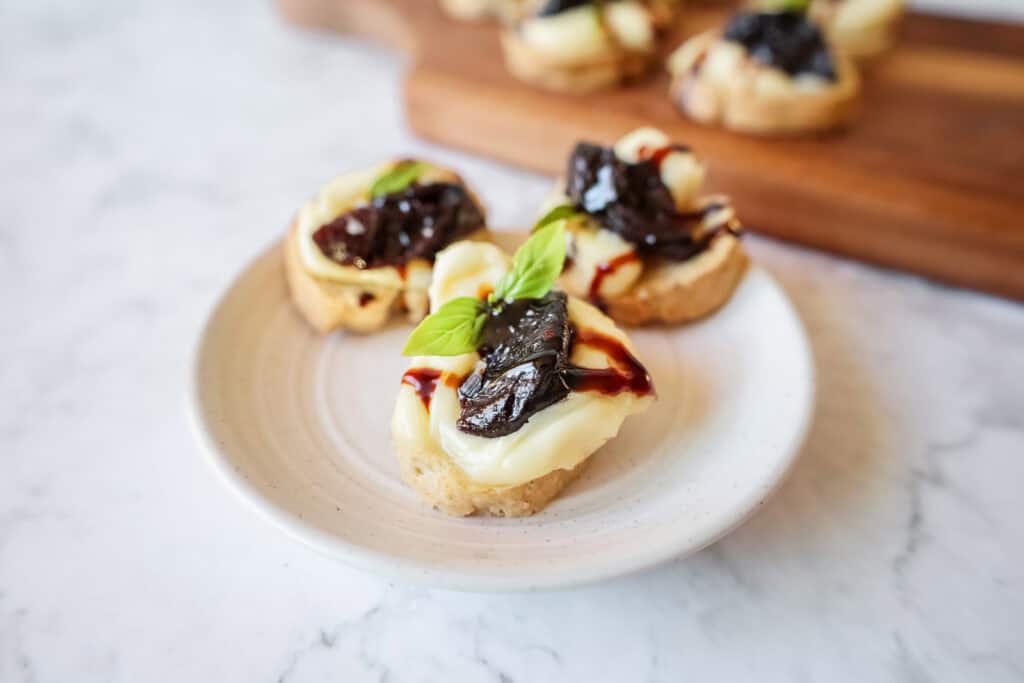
420,573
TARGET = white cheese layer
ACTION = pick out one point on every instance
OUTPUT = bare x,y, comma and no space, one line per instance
558,437
344,193
582,34
852,16
728,65
595,249
631,24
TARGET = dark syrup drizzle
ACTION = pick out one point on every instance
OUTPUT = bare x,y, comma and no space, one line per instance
606,269
657,156
423,381
628,374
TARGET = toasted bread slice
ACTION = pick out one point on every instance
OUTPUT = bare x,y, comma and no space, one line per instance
678,292
738,104
440,481
610,70
329,305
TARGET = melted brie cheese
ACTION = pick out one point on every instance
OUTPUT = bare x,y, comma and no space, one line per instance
593,250
575,34
590,247
631,24
557,437
582,34
853,16
464,269
728,65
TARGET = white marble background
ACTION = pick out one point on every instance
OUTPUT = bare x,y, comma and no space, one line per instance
147,151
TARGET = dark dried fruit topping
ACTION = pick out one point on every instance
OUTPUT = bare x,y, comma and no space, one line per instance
786,40
631,200
625,374
524,352
552,7
393,229
525,367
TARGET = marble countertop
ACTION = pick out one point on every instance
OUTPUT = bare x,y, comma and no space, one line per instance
150,150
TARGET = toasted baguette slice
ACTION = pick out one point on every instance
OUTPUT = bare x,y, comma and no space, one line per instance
440,481
736,104
329,305
678,292
530,66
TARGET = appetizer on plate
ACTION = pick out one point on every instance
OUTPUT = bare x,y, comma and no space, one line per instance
513,385
475,10
765,73
643,243
861,28
362,249
579,46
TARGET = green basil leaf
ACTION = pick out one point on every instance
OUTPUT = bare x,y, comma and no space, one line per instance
784,5
451,330
536,265
560,212
398,178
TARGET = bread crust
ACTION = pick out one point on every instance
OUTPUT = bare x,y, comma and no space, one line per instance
677,292
436,478
329,305
578,77
735,105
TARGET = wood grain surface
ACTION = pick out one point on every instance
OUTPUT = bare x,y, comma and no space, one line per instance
929,180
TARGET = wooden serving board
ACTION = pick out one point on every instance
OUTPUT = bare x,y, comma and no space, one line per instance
930,179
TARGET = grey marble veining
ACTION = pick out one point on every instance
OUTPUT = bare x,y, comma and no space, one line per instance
149,151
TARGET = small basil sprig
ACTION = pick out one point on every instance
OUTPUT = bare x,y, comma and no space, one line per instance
398,178
451,330
560,212
535,267
785,5
455,328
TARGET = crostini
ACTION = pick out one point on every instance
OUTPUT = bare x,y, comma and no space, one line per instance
644,243
578,46
362,249
765,73
513,385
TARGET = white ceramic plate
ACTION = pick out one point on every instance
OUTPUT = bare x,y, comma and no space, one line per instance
298,425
